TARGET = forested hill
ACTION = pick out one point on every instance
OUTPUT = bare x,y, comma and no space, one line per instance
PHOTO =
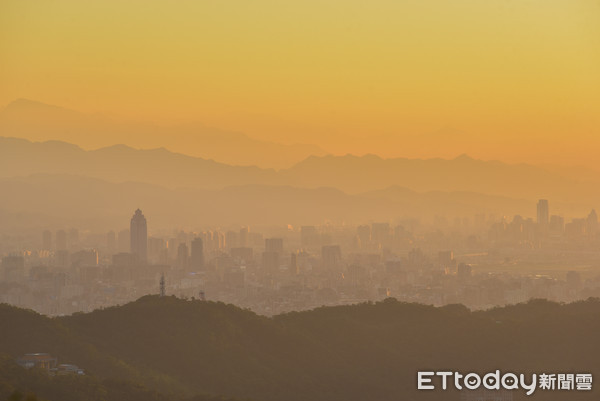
174,349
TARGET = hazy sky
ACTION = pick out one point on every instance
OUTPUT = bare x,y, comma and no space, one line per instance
319,71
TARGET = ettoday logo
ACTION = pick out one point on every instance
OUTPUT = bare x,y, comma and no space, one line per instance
507,381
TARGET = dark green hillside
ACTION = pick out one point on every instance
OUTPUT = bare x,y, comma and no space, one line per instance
211,347
170,348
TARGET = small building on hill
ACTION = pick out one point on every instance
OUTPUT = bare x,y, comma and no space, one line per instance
37,360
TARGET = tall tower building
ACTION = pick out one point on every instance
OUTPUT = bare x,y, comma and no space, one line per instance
273,249
543,213
182,256
197,258
139,236
162,285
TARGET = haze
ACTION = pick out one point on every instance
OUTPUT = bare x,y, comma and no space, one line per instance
509,80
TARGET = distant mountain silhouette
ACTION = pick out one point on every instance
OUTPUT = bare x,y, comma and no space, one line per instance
351,353
350,174
103,205
38,121
122,163
356,174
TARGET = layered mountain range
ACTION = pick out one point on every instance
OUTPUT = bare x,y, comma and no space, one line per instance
60,180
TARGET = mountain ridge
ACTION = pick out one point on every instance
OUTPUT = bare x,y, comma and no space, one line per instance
38,121
181,346
350,173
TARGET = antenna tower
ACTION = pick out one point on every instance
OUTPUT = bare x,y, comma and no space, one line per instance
162,285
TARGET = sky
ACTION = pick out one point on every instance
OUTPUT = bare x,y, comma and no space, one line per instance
507,79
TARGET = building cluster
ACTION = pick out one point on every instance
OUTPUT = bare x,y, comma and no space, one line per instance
492,261
49,364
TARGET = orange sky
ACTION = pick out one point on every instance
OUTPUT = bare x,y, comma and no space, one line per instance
519,79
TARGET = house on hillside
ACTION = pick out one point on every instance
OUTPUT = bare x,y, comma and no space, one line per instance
48,363
37,360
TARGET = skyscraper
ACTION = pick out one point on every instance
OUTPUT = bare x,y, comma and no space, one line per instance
139,236
197,258
274,245
543,213
182,256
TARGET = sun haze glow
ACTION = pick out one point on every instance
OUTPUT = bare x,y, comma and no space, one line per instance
490,78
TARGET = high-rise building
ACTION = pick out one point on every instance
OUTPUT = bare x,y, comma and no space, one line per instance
197,257
182,256
243,238
139,236
543,213
274,245
273,250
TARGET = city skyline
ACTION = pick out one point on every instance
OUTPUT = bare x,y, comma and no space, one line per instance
440,263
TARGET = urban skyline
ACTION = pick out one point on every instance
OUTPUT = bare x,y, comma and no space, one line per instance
296,268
